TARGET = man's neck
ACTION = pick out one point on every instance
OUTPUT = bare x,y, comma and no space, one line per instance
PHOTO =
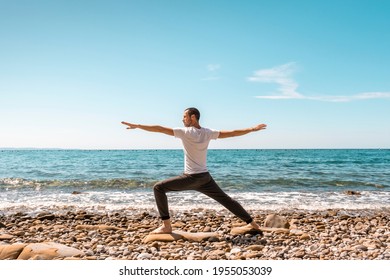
196,126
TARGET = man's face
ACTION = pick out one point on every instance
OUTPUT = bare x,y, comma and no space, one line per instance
187,119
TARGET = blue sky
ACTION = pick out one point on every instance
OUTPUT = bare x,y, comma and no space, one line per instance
316,72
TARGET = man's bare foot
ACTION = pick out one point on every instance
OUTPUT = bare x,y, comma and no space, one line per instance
161,230
165,228
255,227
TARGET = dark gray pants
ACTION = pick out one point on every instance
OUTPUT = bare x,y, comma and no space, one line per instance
202,182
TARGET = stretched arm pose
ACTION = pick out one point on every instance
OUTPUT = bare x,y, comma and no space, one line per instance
240,132
150,128
169,131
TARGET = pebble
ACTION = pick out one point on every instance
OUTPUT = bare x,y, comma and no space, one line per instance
144,256
328,235
235,250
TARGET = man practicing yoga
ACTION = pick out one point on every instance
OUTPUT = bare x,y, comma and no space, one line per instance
196,177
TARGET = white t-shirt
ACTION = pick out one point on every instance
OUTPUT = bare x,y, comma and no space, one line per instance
195,142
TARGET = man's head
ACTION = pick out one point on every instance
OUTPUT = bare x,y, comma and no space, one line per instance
191,117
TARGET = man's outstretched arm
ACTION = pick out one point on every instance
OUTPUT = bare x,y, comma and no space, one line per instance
239,132
150,128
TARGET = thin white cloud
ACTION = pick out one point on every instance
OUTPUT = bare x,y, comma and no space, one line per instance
287,86
282,76
345,98
372,95
212,69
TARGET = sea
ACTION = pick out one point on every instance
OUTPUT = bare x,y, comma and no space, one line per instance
32,181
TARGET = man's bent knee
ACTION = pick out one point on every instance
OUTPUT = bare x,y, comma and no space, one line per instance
157,187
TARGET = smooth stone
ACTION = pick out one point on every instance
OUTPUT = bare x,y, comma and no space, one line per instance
253,255
299,254
235,250
144,256
296,232
38,251
19,233
48,251
359,226
255,247
177,235
276,221
46,217
11,252
304,236
155,245
213,239
6,236
164,237
245,230
320,227
361,247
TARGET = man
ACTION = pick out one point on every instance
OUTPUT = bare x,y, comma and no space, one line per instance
195,141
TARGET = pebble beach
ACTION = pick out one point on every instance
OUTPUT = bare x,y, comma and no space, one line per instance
334,234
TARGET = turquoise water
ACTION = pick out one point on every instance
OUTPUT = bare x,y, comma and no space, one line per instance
259,179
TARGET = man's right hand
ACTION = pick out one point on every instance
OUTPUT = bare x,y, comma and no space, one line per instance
130,125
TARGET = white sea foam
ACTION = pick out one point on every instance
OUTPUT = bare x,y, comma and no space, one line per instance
33,201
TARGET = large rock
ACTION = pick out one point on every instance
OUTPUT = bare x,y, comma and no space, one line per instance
164,237
48,251
276,221
247,229
11,252
176,235
38,251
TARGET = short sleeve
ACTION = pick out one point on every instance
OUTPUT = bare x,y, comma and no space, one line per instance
178,132
214,134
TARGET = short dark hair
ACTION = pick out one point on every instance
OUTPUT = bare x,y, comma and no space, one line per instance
193,111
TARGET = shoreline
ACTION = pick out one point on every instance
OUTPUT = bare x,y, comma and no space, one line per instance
333,234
